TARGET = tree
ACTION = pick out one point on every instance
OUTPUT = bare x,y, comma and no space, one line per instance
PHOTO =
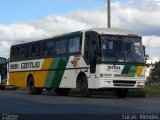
155,73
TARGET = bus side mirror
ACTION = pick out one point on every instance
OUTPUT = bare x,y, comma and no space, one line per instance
99,51
145,56
144,50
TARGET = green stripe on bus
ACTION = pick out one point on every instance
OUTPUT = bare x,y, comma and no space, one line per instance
54,77
132,70
126,69
52,74
61,65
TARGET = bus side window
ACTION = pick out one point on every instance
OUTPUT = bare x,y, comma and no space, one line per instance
61,47
25,51
74,45
64,47
48,48
12,56
58,47
36,50
15,53
86,49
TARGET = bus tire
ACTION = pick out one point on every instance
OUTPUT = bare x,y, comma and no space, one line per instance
122,93
33,90
83,85
2,87
62,91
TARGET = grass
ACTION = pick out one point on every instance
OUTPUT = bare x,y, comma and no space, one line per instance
137,93
152,90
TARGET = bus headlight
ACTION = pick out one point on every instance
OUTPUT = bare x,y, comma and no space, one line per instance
108,82
140,84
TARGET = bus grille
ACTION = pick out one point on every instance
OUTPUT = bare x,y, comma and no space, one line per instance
124,83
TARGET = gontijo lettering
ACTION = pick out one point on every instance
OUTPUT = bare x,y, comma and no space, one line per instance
30,65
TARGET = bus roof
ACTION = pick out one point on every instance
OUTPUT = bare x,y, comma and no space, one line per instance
109,31
113,31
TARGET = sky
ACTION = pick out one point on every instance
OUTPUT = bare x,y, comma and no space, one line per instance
12,11
37,19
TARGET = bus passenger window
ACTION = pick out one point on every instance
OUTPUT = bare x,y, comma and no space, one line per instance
74,45
58,47
61,47
48,47
64,47
36,50
15,55
25,51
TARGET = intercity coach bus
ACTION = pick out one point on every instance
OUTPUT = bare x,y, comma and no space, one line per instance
93,59
3,73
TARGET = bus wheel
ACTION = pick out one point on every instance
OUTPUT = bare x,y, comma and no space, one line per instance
2,87
33,90
62,91
122,93
84,87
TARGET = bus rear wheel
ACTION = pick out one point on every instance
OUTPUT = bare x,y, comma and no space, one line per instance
33,90
2,87
62,91
84,87
122,93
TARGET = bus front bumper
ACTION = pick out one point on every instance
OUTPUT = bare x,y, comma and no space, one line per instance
103,83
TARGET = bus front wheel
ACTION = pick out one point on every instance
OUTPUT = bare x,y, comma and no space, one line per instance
122,93
33,90
84,87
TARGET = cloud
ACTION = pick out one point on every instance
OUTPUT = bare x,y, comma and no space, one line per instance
138,15
151,42
4,48
142,16
21,31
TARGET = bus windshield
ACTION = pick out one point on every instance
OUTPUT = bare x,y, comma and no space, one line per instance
2,61
121,49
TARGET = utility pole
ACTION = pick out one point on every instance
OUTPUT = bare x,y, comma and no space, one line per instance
109,13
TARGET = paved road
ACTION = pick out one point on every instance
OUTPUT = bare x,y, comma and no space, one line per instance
20,102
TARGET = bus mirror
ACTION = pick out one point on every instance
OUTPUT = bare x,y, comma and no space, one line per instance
99,51
8,60
146,57
144,50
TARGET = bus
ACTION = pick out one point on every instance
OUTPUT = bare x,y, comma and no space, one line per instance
88,60
3,73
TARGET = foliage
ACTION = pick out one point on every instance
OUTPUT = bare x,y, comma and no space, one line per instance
155,73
